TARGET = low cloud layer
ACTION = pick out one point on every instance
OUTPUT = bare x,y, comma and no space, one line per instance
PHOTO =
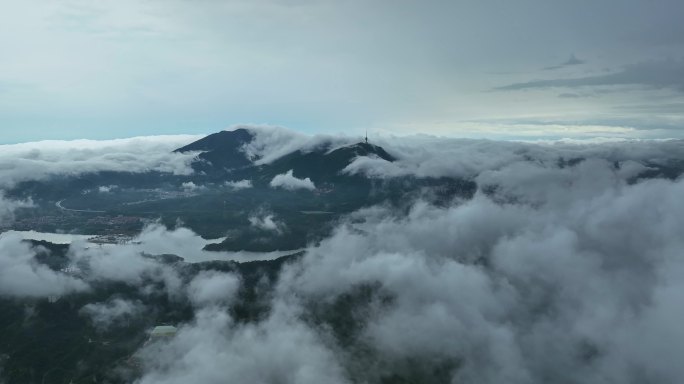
271,143
561,275
21,276
156,239
213,349
433,156
116,312
417,155
213,288
39,160
9,206
290,182
563,267
426,156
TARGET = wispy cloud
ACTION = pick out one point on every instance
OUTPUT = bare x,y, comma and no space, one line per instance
652,74
570,62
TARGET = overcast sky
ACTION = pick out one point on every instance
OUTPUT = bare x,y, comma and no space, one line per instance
522,69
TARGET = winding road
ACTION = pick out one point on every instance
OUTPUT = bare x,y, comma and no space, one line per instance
60,206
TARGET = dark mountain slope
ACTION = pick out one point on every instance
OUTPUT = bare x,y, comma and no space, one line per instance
222,150
321,164
222,158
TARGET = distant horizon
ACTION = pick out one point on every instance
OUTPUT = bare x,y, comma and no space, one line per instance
361,134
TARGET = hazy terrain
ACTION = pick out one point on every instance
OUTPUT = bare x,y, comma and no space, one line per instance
286,258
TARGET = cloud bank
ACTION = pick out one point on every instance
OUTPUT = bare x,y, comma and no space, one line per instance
21,276
434,156
40,160
565,266
213,349
426,156
156,239
289,182
558,275
272,142
417,155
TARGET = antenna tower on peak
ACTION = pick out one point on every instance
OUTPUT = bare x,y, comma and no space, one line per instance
366,136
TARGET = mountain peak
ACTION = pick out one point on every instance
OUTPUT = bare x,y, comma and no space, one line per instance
220,141
363,148
222,149
224,152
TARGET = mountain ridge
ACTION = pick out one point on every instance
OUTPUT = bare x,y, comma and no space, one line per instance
222,154
222,149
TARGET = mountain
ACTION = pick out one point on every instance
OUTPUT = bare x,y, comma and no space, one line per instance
206,203
221,150
223,157
323,164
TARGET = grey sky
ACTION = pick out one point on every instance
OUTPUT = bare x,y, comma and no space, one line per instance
654,74
501,69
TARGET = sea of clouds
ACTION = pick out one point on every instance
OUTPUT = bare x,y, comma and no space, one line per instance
552,272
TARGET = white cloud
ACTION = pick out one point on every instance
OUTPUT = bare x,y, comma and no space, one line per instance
421,155
126,265
429,156
9,206
545,275
21,276
435,156
213,349
551,287
156,239
113,313
238,185
211,288
290,182
266,221
40,160
271,142
106,188
190,186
